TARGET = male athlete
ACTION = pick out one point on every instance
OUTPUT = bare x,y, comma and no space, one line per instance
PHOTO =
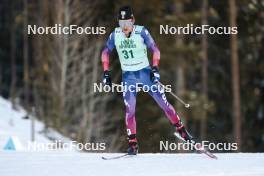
131,42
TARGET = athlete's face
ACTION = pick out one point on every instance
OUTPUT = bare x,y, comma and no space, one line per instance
126,25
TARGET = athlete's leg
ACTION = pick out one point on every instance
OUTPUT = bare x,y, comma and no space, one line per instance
157,92
160,97
129,95
130,104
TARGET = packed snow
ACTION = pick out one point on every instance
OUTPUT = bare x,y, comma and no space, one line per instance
87,164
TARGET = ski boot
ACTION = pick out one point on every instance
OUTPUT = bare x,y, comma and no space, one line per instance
132,145
183,134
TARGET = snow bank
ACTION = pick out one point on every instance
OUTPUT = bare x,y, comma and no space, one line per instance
13,127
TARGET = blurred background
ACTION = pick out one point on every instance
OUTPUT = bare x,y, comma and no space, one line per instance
221,76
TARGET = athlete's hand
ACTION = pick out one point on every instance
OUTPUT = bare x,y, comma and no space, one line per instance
154,75
107,78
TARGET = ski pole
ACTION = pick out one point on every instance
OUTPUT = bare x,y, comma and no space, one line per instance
187,105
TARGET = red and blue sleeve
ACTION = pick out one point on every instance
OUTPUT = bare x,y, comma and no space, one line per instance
151,45
110,45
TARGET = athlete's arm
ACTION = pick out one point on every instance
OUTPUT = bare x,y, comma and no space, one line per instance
110,44
151,45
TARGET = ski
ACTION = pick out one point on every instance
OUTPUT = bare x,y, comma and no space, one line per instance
206,152
117,157
198,148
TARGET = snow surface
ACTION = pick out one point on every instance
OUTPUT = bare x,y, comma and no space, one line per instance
88,164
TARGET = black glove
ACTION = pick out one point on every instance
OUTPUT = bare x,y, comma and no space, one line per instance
154,75
107,78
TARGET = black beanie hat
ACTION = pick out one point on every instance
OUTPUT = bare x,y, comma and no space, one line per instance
125,13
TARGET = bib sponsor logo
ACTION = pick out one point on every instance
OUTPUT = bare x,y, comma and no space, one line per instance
128,43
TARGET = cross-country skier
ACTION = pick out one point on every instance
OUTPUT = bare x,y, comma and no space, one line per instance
131,42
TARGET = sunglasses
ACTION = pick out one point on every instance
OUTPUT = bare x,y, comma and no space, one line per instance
125,23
